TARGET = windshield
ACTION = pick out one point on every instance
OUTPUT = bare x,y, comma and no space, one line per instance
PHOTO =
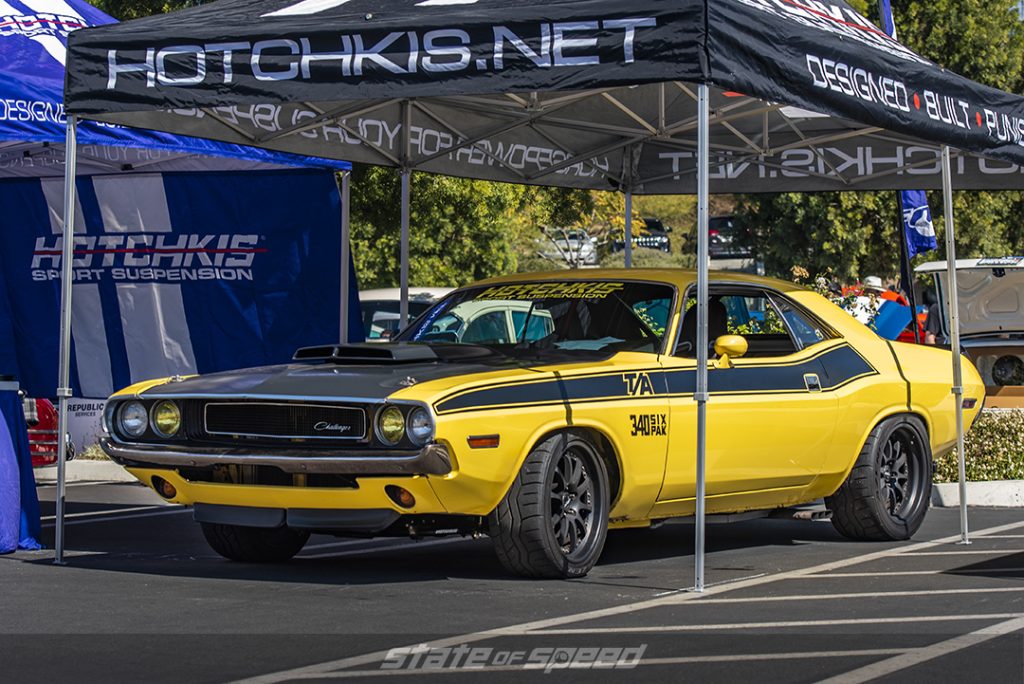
562,316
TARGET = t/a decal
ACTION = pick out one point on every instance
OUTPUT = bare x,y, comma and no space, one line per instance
648,424
638,384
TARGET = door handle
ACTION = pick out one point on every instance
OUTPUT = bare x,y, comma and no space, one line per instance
811,382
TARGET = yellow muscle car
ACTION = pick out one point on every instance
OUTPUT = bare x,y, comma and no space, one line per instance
543,409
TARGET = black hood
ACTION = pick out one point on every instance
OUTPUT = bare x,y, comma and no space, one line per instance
352,379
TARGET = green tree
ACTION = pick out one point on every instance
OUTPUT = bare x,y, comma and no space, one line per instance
460,230
856,234
123,10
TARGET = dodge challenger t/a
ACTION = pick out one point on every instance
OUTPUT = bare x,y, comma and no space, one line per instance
544,409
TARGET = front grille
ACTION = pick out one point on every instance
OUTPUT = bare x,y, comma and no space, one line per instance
290,421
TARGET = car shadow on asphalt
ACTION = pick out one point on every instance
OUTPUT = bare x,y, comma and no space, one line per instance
172,546
1001,567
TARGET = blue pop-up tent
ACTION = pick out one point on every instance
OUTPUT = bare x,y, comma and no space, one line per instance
33,35
168,230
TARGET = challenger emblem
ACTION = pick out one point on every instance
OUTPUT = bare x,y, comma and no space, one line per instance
409,381
324,426
638,384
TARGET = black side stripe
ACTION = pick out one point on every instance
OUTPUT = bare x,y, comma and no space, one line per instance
834,367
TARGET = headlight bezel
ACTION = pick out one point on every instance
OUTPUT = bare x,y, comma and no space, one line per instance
119,421
399,430
409,422
154,421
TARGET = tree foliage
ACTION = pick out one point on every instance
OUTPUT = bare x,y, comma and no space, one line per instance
124,10
857,234
460,230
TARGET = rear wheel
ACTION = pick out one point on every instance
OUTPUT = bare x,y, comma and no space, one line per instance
254,544
554,519
886,494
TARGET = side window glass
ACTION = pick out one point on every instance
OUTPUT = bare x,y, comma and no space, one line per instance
803,329
654,313
489,328
748,313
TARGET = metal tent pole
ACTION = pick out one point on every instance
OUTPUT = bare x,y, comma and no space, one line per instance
403,317
953,316
346,255
64,363
701,394
629,228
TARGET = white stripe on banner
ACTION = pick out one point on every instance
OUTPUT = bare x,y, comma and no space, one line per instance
52,6
53,191
133,203
306,7
156,333
8,11
91,351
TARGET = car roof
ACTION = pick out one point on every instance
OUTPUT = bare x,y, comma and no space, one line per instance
679,277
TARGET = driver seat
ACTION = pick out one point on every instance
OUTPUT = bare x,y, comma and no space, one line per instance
718,325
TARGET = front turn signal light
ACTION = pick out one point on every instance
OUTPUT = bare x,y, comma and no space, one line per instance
483,441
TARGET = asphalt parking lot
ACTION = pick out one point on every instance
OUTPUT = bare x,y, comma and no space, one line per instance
143,599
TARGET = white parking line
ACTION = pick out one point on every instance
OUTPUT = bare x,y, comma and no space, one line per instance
53,485
1004,536
779,625
113,518
973,552
908,573
347,542
112,511
667,600
866,594
548,667
923,655
401,546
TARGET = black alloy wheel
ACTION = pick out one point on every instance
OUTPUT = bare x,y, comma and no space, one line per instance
554,518
886,495
572,502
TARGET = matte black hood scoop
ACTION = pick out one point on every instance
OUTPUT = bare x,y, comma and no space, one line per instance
368,353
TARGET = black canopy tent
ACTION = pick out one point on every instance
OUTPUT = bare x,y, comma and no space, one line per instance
660,96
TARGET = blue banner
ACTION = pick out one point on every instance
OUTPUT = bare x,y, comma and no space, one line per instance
917,223
33,38
174,274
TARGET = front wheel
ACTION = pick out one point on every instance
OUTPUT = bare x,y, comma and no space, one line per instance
554,519
254,544
887,493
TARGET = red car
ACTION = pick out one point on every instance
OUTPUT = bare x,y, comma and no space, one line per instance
41,417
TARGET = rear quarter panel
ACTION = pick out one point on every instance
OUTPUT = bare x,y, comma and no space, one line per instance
930,372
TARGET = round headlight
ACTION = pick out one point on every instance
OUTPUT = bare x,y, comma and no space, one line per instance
391,425
420,426
132,419
166,419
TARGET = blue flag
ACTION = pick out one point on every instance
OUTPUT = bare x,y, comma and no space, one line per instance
918,229
885,9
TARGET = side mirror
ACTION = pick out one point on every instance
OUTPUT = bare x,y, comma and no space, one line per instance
729,347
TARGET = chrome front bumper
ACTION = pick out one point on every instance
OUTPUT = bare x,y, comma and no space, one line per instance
432,459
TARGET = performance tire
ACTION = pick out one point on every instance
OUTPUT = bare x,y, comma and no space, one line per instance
554,519
886,495
254,544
